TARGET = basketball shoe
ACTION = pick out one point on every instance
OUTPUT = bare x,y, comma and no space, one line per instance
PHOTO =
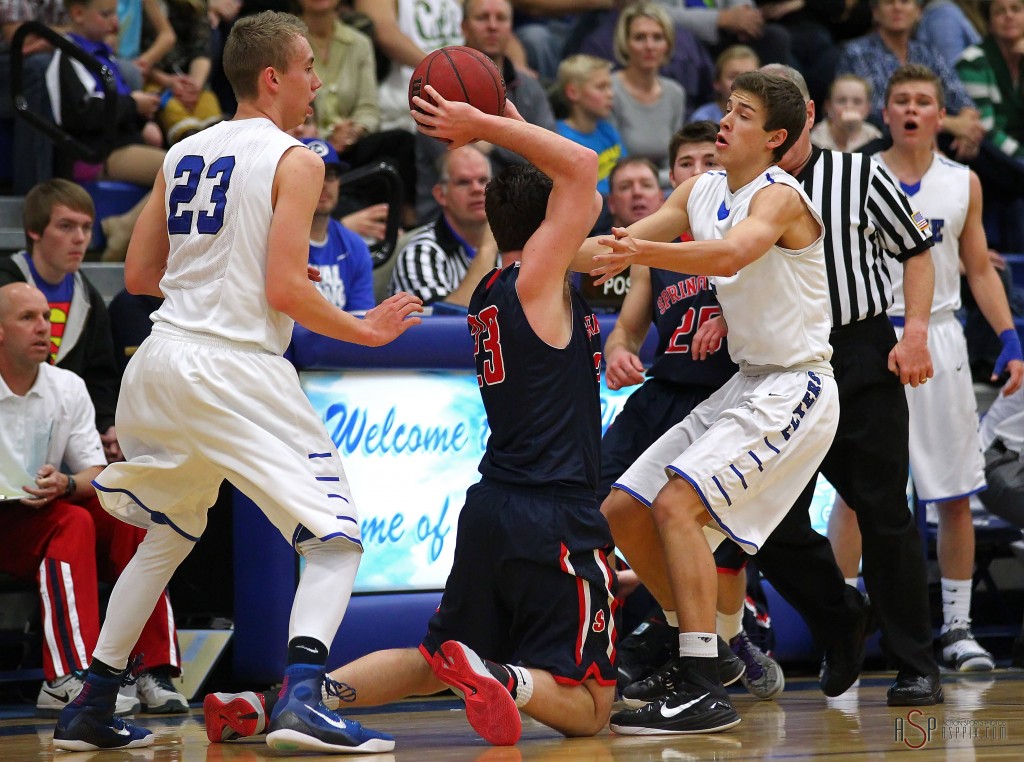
696,704
158,695
490,708
54,695
763,676
88,723
649,646
234,715
665,681
962,653
301,722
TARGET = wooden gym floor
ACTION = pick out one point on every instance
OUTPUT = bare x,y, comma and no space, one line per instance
982,719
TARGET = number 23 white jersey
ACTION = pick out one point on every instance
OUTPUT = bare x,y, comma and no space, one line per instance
218,205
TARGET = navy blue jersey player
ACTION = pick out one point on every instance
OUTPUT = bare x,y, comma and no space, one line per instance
537,440
527,620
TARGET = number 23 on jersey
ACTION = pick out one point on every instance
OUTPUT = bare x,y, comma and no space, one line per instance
192,178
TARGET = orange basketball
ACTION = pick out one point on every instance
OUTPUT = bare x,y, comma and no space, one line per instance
462,74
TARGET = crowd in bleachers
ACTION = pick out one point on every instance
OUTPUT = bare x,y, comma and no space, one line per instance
619,76
650,67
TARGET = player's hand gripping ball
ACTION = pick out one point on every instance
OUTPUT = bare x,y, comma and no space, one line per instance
462,74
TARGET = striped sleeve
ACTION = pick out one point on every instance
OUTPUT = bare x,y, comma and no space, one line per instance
906,231
867,219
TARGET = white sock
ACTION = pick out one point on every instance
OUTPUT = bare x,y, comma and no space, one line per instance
524,686
324,589
672,619
852,581
956,603
729,625
703,645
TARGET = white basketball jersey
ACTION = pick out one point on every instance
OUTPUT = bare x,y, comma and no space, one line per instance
219,210
942,195
431,24
777,307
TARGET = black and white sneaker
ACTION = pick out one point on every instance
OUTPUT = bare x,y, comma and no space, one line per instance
696,706
645,649
670,677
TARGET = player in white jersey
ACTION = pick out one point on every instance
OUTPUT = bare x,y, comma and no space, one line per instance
945,449
735,465
208,396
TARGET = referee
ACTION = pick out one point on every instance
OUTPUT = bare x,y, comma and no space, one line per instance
869,228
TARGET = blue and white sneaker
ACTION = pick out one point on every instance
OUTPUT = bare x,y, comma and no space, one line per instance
301,722
88,723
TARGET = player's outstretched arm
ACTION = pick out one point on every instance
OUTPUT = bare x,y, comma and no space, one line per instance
297,186
146,261
777,215
667,223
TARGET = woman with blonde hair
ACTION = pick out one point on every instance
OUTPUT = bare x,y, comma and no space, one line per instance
647,108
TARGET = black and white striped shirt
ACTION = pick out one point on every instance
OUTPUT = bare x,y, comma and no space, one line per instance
432,263
867,218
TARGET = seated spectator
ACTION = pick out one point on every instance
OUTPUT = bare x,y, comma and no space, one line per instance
405,39
58,218
346,107
444,260
845,126
877,55
32,151
814,48
181,77
584,89
950,26
688,62
647,108
55,530
79,106
634,192
342,257
721,23
546,29
134,58
487,27
731,62
991,72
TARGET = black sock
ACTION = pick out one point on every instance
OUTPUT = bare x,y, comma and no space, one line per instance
503,675
706,667
306,650
269,700
105,671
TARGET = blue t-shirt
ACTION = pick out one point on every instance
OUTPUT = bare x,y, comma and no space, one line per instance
605,141
711,111
346,269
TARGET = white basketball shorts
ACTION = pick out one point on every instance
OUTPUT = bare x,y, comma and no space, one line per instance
749,450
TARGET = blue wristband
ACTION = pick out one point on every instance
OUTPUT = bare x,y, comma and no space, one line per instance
1011,351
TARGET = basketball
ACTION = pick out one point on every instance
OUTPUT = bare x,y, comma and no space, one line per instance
462,74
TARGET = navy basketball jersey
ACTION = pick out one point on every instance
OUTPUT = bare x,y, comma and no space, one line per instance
543,403
680,304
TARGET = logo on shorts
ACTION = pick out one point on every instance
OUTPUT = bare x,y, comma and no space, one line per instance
599,622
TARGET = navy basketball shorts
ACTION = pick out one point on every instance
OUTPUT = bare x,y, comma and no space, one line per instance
531,584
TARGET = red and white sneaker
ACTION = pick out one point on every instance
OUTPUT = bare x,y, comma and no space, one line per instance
234,715
490,708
